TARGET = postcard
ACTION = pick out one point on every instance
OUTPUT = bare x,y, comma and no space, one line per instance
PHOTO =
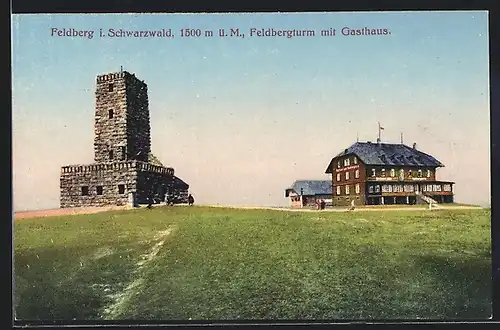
252,166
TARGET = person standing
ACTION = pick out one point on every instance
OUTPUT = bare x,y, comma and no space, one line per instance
190,200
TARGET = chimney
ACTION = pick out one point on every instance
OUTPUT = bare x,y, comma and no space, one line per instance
414,146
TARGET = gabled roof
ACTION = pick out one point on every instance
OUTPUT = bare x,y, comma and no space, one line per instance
388,154
310,187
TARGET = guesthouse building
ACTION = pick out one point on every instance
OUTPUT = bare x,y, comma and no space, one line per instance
383,173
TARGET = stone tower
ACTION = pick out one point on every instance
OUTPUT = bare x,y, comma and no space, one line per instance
121,173
122,127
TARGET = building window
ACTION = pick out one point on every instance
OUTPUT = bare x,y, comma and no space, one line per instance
99,190
419,173
401,174
373,172
347,175
110,113
121,189
429,187
355,160
370,189
338,177
85,191
409,173
428,173
346,162
383,172
377,189
387,188
347,190
357,188
408,188
123,152
447,187
110,87
437,187
356,174
393,173
338,190
111,155
398,188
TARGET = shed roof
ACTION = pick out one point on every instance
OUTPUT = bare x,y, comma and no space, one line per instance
310,187
388,154
179,183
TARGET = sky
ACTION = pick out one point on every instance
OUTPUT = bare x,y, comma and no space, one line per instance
240,119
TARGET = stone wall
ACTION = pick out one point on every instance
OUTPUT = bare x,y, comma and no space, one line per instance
144,180
121,118
138,122
94,177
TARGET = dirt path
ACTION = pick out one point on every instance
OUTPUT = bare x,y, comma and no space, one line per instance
65,211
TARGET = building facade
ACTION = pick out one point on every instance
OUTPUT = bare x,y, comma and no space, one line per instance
121,173
381,173
306,193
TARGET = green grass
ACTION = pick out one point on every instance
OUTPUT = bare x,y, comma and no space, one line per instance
221,264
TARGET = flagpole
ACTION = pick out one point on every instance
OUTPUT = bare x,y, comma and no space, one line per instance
378,139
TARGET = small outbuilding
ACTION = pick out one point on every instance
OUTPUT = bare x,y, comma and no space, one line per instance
306,193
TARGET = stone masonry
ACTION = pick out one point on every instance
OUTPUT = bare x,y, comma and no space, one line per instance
122,173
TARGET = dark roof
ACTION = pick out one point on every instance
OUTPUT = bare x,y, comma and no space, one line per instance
388,154
311,187
178,183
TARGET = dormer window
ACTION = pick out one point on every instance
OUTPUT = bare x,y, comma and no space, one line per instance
346,162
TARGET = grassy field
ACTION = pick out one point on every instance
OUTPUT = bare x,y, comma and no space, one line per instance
199,263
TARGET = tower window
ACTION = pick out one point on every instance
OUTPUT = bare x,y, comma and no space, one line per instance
110,154
123,153
85,191
110,114
121,189
110,87
99,190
